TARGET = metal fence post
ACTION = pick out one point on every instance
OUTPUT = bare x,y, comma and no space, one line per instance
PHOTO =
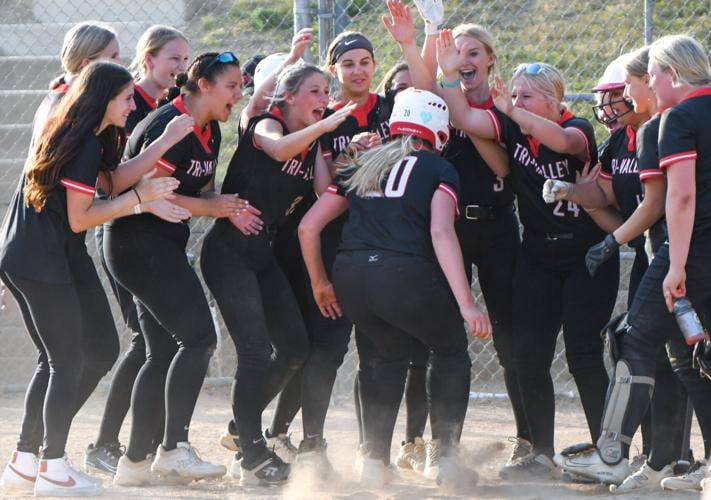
648,21
302,19
326,27
341,14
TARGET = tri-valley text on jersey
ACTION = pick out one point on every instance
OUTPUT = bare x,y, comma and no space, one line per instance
199,168
554,170
295,167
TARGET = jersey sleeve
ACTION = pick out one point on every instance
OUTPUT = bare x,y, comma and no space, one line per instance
648,151
80,174
448,182
606,160
587,132
337,186
677,138
176,157
503,125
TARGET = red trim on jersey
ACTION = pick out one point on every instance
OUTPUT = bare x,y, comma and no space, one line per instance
451,192
677,157
697,93
146,96
648,174
333,189
631,138
497,125
327,154
202,136
361,112
605,175
166,165
77,186
62,88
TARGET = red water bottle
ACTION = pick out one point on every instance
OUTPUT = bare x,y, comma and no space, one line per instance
688,321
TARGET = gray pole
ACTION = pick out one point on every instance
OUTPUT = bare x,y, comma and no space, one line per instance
341,16
326,27
302,19
648,21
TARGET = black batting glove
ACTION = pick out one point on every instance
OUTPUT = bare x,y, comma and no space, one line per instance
600,253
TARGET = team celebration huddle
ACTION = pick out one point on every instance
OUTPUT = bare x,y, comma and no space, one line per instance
350,210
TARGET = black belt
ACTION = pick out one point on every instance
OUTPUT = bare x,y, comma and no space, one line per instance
558,236
485,212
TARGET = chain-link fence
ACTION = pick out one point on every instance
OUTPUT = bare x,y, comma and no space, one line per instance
579,37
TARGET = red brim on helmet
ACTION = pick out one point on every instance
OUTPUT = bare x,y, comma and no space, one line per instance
407,128
607,87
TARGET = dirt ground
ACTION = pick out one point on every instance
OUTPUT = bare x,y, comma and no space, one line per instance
485,446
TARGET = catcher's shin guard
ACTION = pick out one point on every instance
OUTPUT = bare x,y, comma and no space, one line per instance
627,401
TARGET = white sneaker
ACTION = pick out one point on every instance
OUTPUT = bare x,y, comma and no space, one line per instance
645,479
130,473
637,462
375,474
590,465
412,455
56,477
184,461
20,473
689,481
230,441
281,445
432,449
359,457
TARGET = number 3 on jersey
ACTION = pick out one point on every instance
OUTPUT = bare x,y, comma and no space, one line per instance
399,175
571,207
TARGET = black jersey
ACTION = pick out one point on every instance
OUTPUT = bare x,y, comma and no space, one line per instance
399,219
193,160
274,187
619,166
480,185
648,164
684,134
532,163
144,105
372,117
38,246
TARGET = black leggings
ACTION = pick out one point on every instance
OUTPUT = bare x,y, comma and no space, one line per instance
73,330
652,325
263,319
552,287
369,286
118,400
172,308
492,245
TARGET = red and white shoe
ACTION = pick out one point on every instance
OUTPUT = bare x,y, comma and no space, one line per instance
20,473
56,477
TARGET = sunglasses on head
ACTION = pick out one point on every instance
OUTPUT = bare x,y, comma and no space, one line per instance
224,58
530,69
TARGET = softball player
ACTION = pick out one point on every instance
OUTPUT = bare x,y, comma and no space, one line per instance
551,284
147,256
403,190
680,77
161,54
45,264
277,164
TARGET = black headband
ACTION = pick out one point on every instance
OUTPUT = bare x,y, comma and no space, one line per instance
354,41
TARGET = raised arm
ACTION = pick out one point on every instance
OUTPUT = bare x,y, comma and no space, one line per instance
562,140
471,120
269,134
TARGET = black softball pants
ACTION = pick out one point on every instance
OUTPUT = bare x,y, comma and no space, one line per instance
118,400
652,325
492,245
263,319
369,285
73,330
173,311
552,288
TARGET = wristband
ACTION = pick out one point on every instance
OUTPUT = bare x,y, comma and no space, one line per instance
137,209
137,195
449,85
431,29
